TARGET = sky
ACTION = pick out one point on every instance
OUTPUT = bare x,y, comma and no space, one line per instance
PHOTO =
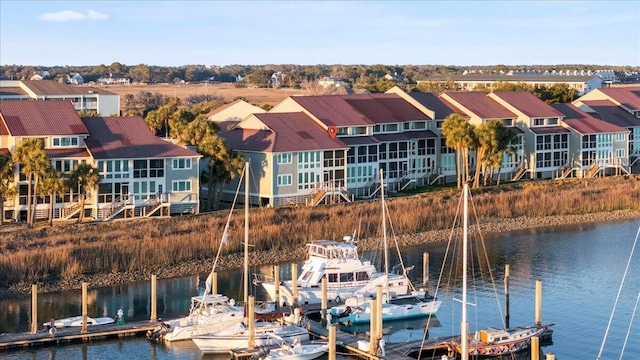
175,33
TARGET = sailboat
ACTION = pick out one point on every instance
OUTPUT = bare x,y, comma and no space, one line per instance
209,312
357,309
488,342
239,335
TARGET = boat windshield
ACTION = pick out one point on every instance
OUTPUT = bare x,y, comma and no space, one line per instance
337,251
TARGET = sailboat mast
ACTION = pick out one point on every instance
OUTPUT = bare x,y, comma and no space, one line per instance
384,225
463,324
246,233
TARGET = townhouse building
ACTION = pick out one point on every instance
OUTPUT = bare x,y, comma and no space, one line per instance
619,106
103,102
140,174
581,83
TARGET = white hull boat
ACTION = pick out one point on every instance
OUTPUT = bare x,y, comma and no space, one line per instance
346,275
236,337
77,321
358,310
293,352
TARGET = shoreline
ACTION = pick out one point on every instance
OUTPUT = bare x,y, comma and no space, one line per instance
234,261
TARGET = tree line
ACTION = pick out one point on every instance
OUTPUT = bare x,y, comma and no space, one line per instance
292,76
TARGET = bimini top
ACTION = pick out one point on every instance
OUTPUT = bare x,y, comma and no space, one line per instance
330,249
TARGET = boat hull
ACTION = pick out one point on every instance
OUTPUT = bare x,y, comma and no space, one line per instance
77,321
389,312
182,329
514,344
265,335
300,352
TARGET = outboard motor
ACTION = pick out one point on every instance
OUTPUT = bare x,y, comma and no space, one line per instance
261,353
159,331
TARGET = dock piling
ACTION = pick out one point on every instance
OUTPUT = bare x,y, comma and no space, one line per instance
506,295
535,348
154,297
276,276
34,309
425,269
538,302
332,342
294,283
214,282
85,287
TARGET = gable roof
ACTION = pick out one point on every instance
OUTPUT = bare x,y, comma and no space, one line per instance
359,109
285,132
627,96
41,118
528,104
433,102
612,113
54,88
480,104
584,123
128,138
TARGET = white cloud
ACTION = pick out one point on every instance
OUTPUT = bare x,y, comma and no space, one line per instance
69,15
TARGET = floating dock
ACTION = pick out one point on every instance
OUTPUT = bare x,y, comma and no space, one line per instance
74,335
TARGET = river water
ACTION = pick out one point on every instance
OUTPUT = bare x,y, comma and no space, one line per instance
580,266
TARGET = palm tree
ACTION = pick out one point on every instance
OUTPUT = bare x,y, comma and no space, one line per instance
34,161
52,184
459,136
7,188
85,177
224,165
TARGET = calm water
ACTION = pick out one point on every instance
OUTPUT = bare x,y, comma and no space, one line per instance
580,268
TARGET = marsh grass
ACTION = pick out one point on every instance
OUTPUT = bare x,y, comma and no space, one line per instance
48,254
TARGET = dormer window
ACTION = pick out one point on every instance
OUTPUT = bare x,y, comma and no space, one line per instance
65,141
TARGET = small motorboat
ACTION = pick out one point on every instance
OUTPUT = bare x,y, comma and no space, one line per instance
293,351
77,321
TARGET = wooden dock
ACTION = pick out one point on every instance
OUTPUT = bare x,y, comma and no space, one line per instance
74,335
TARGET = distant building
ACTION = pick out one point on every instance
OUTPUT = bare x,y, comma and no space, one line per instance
114,79
105,103
581,83
330,81
75,79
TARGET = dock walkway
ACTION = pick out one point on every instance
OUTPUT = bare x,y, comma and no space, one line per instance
74,335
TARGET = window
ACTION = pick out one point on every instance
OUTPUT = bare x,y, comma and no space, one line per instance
181,185
620,137
65,141
285,180
148,168
284,158
182,163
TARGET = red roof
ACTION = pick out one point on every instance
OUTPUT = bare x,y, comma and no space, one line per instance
67,153
385,108
360,109
128,138
540,130
584,123
332,110
612,113
5,151
286,132
528,104
480,104
431,101
41,118
627,96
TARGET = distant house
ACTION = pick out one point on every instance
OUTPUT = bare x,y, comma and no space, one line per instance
277,78
330,81
75,79
105,103
114,79
40,75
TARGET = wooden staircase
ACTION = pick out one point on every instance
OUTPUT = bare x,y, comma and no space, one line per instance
120,204
593,171
71,209
519,174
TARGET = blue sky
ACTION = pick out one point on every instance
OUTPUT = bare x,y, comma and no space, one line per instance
169,33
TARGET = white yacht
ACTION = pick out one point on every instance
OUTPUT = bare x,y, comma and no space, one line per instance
346,274
209,313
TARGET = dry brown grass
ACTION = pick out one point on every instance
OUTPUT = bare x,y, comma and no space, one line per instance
50,254
256,96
